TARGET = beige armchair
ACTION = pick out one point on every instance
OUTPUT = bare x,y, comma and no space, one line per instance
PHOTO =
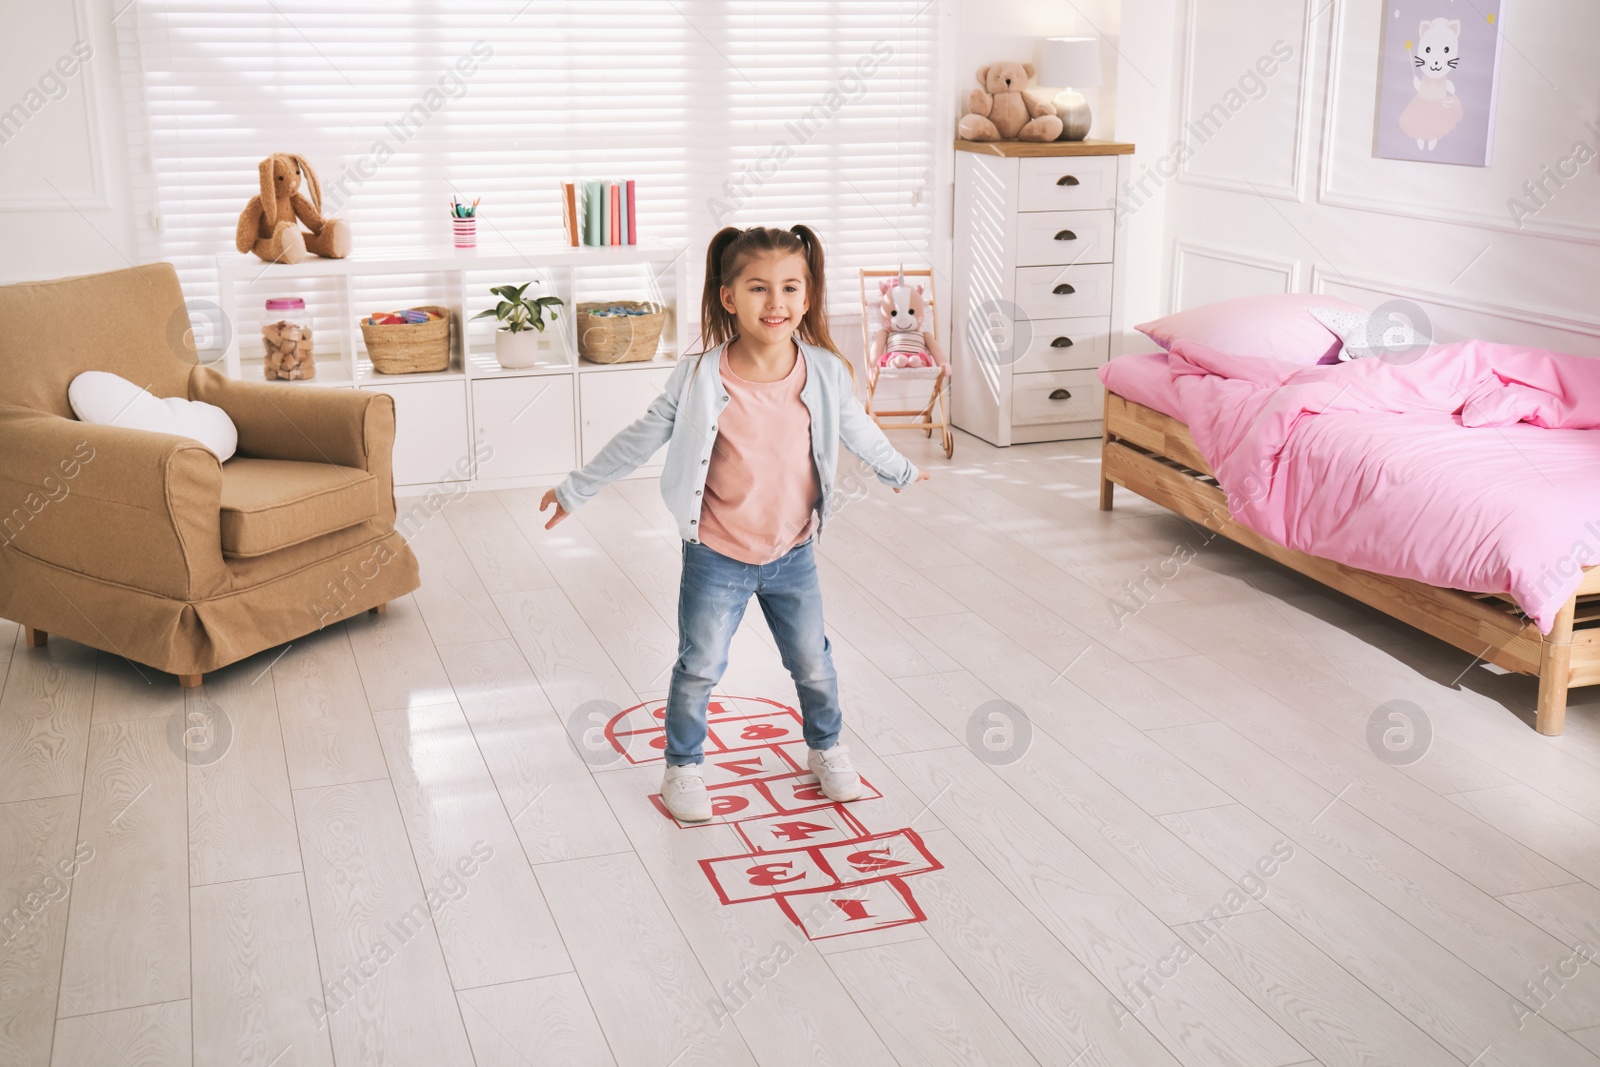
142,544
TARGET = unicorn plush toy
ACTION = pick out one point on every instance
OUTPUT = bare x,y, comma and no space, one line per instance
903,338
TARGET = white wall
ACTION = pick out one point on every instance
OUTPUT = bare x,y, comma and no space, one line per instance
65,206
1287,197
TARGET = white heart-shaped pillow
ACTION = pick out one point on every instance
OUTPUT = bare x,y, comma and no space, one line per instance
107,400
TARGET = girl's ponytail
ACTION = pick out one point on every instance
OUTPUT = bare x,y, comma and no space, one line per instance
717,323
814,327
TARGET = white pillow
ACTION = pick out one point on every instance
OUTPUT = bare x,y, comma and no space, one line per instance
107,400
1363,338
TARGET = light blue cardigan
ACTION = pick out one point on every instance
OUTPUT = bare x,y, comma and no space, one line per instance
684,418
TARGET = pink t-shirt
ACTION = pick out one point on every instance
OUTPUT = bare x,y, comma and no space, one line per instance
762,488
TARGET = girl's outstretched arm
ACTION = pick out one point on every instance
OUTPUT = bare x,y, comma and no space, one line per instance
863,436
632,445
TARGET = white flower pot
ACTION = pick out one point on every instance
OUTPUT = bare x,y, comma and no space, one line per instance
525,348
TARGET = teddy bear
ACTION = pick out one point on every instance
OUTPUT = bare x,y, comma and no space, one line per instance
902,338
1001,110
287,348
268,226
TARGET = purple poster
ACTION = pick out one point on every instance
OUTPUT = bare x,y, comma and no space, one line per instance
1439,65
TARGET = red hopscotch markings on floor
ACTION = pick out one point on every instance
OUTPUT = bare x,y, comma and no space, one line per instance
824,913
872,858
635,733
844,880
793,793
830,824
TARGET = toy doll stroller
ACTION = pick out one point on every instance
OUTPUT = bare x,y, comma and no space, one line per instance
900,339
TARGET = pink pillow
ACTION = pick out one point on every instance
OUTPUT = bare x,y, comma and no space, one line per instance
1272,327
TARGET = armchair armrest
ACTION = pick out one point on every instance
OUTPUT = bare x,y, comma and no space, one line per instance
312,424
127,506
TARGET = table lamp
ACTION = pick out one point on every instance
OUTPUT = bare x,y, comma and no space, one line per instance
1070,64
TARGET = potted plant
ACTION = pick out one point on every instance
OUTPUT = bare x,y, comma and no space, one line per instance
521,338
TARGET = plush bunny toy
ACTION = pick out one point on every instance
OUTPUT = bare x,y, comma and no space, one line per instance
268,226
902,338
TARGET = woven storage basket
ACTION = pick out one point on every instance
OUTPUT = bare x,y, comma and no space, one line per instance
409,347
619,338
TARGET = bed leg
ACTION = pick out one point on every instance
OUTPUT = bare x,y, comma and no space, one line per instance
1107,487
1555,669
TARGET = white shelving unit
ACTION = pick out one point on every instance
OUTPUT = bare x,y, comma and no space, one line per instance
474,422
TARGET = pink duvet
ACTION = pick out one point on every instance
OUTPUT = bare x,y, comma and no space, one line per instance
1471,468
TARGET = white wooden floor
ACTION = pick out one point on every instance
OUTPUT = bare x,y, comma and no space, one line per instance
1190,854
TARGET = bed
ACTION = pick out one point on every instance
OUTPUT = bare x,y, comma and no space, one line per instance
1148,449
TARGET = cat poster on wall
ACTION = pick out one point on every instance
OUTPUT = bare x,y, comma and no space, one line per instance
1439,67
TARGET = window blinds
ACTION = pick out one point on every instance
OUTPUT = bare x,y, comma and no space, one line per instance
724,113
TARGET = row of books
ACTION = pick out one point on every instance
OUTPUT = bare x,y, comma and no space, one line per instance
599,212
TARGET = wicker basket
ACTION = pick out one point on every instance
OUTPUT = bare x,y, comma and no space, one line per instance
409,347
619,338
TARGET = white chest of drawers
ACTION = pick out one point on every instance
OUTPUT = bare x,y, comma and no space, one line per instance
1038,286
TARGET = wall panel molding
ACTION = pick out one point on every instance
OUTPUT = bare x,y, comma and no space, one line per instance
85,83
1584,329
1295,189
1185,252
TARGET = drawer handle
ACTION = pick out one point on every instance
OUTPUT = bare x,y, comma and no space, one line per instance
1061,342
1063,290
1066,179
1066,235
1060,394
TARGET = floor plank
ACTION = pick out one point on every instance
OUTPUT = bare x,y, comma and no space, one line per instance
328,737
542,1020
258,996
1455,838
240,814
500,553
124,690
45,711
1040,990
397,658
492,921
151,1035
1200,1018
1449,1001
648,991
1126,842
453,602
925,1008
543,779
386,990
1475,927
40,858
128,921
1322,1005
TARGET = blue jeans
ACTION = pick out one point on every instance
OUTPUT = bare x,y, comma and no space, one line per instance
711,601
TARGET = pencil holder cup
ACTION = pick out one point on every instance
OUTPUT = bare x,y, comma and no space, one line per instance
466,232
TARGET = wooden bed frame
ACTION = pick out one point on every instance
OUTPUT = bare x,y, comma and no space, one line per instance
1155,456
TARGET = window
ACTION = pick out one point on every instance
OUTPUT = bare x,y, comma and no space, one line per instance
723,113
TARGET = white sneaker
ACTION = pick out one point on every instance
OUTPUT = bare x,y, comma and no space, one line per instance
833,769
684,793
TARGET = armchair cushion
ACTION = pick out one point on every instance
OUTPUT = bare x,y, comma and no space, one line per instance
276,420
269,504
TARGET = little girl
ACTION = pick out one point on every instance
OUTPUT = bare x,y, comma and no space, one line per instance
752,428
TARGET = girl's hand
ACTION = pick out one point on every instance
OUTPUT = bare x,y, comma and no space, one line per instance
549,499
922,476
